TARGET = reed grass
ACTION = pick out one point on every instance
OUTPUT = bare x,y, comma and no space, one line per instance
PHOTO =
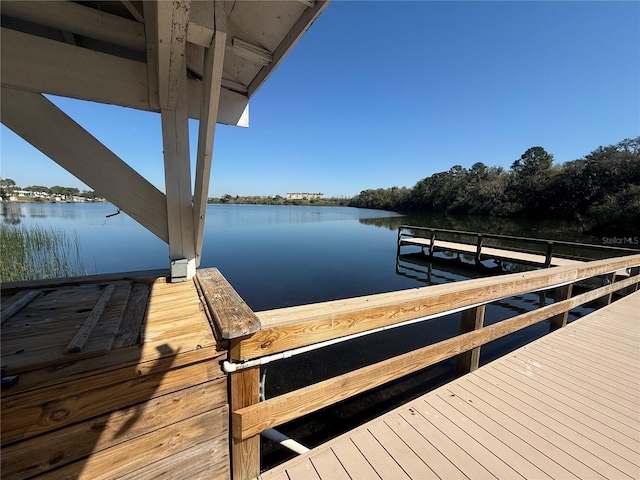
33,253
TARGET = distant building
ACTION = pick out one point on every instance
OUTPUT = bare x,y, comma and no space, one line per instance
304,196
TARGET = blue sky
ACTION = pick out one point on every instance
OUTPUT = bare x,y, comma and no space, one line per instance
382,94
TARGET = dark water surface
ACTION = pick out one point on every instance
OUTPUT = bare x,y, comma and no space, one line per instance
278,256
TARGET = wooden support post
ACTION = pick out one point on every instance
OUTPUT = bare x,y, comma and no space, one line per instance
560,320
632,273
549,255
478,248
433,239
399,239
211,78
172,21
606,299
244,390
472,319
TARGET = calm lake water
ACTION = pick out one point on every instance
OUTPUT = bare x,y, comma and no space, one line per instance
278,256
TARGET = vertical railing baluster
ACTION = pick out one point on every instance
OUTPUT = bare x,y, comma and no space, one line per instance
472,319
560,320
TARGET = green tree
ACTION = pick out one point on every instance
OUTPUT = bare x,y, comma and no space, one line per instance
533,163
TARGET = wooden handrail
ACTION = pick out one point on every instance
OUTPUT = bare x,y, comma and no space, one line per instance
515,238
249,421
293,327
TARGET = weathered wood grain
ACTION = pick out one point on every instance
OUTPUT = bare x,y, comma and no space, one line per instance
26,416
293,327
232,315
128,458
58,448
245,452
471,320
17,303
129,331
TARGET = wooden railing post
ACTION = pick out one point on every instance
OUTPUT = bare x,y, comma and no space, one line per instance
606,299
431,246
478,248
244,388
632,273
472,319
235,321
549,255
560,320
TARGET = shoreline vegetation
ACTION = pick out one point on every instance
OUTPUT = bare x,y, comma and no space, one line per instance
36,253
599,192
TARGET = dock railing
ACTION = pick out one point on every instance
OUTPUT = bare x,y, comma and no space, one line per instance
277,332
407,235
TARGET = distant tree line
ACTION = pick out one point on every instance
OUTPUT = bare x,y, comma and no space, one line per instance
279,200
601,191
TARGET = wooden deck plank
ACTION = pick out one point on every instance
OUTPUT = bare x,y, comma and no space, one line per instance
597,412
303,471
571,384
586,378
573,428
569,410
608,359
473,448
518,426
549,354
423,423
472,407
564,406
379,458
328,466
356,465
478,445
580,461
441,465
402,453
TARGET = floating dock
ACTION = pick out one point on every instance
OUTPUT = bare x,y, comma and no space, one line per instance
564,406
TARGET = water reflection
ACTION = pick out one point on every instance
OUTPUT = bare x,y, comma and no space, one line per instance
543,229
12,214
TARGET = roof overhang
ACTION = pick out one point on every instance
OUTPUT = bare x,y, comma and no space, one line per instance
120,52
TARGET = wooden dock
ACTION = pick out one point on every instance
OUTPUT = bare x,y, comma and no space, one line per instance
564,406
114,376
502,248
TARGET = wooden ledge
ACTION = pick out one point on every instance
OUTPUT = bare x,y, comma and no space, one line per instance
232,316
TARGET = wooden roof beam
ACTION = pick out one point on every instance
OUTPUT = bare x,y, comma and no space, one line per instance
54,133
211,84
81,20
41,65
133,10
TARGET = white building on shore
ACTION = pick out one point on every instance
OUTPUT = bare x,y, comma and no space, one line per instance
304,196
